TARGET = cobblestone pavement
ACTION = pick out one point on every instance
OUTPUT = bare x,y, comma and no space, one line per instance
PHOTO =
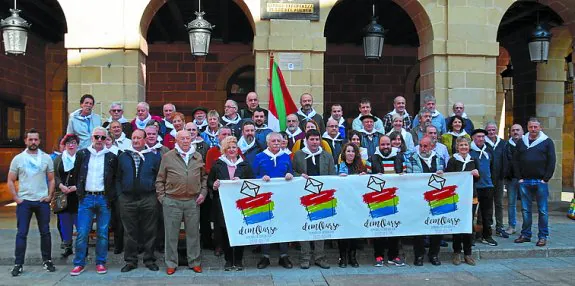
526,271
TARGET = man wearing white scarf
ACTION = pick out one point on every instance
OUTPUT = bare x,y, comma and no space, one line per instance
497,146
364,110
425,161
437,119
143,116
152,141
168,109
334,138
262,129
247,142
534,164
200,118
307,162
181,188
337,115
83,121
120,139
483,157
459,109
369,135
399,109
35,172
307,113
137,170
293,131
512,181
117,114
231,117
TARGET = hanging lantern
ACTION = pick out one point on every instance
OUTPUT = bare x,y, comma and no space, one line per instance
15,33
200,32
539,44
507,78
373,39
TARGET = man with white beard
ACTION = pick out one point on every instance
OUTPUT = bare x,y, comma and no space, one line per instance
293,130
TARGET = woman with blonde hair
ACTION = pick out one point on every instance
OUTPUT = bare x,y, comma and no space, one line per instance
230,166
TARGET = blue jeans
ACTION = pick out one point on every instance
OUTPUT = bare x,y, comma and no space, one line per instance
67,222
530,189
89,206
24,213
512,193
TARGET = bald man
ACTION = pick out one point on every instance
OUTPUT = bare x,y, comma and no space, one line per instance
398,108
516,133
253,103
307,113
459,109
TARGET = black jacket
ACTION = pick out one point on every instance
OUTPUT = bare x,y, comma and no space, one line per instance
537,162
500,164
68,179
219,171
455,166
377,162
81,171
126,180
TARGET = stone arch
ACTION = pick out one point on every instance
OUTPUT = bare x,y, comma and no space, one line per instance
155,5
56,104
225,75
415,10
410,82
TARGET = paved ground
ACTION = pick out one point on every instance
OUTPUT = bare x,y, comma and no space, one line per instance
526,271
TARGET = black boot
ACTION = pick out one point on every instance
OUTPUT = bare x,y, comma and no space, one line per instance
352,259
342,259
67,249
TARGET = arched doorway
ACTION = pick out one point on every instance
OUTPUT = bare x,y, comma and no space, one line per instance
240,83
539,89
348,77
173,74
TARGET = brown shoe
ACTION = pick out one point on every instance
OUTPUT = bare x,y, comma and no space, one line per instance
197,269
522,239
541,242
456,259
469,260
170,271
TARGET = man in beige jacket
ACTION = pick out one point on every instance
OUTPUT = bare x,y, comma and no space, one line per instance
181,189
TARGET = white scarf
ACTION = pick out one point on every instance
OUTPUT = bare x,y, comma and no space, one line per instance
459,158
113,149
403,133
210,133
273,156
140,153
202,124
393,153
435,113
286,151
481,151
186,155
462,133
68,161
224,159
463,115
429,160
293,135
159,138
310,154
232,121
309,116
120,140
263,127
244,145
168,124
512,143
394,112
494,145
539,139
337,138
339,122
78,114
367,132
155,147
197,140
33,163
141,124
121,120
173,133
96,153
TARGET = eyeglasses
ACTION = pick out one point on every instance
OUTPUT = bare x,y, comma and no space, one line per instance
192,130
333,126
71,143
292,121
229,107
116,110
100,137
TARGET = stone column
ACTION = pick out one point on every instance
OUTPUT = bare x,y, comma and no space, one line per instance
277,36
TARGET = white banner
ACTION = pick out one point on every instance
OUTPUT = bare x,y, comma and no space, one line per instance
333,207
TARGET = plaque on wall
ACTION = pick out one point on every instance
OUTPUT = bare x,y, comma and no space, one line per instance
290,9
290,61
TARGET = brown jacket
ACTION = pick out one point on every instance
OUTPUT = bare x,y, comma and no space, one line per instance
178,181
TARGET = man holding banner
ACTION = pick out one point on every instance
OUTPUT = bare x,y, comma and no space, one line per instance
313,161
273,163
425,161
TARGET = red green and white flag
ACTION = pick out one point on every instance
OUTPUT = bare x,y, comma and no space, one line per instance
281,102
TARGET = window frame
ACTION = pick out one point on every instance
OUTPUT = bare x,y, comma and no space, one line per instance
4,141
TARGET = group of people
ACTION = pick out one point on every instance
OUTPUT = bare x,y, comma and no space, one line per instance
146,176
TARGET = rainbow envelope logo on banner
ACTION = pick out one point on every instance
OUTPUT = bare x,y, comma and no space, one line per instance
443,199
256,207
320,203
383,201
